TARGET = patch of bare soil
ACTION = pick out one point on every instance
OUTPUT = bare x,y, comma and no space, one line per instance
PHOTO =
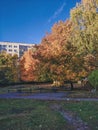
71,118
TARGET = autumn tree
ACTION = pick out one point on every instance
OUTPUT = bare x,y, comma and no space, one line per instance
27,66
54,54
85,34
67,51
70,51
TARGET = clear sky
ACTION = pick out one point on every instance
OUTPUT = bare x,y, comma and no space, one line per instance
29,20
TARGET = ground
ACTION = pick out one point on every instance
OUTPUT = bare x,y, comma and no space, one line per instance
48,110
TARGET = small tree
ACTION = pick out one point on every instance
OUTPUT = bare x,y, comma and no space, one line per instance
93,79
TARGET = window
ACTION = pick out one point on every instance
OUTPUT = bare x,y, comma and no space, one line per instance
10,50
4,46
10,45
15,46
15,51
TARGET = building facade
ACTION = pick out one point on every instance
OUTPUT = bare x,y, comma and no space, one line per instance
15,48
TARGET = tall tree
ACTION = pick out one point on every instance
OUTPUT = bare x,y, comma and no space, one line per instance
85,26
85,32
55,53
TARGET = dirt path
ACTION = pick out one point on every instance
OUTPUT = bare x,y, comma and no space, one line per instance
71,118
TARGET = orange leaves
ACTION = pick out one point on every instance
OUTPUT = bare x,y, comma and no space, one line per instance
55,51
27,66
54,58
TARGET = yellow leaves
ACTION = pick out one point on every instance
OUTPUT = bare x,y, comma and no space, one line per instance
89,57
90,61
83,73
70,75
27,66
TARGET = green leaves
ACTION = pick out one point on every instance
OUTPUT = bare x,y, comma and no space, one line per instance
8,68
93,79
85,30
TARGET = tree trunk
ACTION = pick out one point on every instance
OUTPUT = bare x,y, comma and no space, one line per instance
71,85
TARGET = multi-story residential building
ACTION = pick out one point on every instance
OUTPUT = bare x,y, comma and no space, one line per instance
15,48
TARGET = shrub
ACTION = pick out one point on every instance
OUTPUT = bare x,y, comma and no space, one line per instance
57,83
93,79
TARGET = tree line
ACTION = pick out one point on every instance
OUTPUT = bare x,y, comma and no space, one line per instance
8,68
69,51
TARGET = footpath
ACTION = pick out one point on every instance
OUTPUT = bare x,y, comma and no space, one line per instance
44,96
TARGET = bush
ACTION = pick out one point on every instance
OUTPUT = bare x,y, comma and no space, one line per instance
57,83
93,79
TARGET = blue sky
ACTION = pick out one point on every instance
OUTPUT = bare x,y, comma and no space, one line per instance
29,20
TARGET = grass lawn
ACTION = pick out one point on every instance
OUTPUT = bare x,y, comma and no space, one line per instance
88,111
82,94
28,114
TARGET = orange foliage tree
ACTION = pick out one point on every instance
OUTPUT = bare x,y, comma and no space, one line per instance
27,66
69,52
55,53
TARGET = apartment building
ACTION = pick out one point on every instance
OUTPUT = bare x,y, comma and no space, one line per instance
15,48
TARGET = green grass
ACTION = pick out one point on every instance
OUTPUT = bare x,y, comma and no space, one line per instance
82,94
28,114
87,111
